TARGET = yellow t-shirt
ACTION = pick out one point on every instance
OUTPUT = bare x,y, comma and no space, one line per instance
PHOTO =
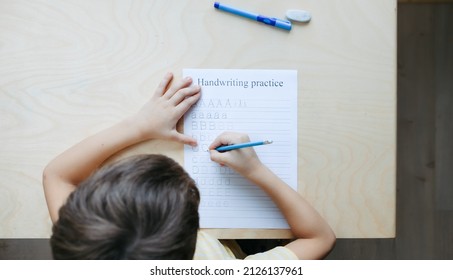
209,248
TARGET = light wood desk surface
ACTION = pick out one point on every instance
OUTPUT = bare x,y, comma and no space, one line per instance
71,68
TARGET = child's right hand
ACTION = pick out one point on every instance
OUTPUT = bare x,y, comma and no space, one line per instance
244,161
314,237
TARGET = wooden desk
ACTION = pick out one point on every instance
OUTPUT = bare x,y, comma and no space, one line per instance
71,68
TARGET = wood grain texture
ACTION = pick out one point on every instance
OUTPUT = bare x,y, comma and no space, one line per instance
71,68
347,121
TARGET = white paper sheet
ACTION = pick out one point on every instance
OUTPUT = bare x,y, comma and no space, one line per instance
261,103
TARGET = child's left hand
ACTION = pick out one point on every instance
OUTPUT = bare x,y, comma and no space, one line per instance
159,116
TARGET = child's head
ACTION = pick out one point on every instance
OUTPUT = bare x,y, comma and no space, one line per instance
143,207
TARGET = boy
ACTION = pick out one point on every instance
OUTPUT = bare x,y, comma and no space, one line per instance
146,207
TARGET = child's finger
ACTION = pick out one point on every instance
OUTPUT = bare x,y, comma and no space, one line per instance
221,140
229,138
217,157
184,93
185,104
182,138
175,87
163,85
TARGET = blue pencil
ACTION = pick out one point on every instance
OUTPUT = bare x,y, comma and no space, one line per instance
242,145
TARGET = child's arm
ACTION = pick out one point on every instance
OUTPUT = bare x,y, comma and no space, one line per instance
315,237
156,120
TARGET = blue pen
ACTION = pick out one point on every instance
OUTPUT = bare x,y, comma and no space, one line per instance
242,145
285,24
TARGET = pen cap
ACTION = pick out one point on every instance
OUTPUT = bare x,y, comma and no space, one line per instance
280,23
285,24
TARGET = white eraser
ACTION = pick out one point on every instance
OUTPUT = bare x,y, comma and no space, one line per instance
298,15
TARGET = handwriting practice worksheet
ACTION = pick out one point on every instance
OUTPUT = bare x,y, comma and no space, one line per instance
261,103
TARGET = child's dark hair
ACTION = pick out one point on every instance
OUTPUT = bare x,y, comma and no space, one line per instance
143,207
